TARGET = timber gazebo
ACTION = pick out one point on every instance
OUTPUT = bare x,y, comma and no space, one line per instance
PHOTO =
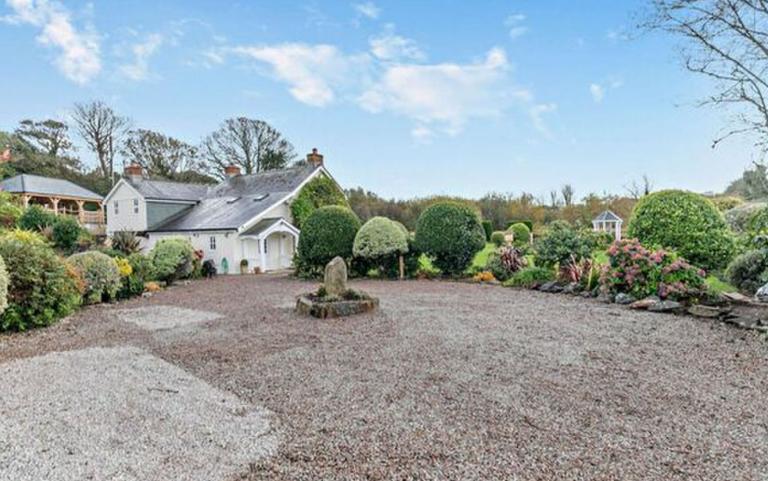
59,196
609,222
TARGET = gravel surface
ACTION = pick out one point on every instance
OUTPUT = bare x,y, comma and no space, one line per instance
119,413
156,318
460,381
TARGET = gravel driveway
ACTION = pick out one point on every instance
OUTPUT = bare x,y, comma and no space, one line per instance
453,381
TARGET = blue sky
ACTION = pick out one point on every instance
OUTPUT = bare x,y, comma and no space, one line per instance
404,98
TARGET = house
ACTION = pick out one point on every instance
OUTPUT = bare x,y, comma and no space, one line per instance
244,219
59,196
609,222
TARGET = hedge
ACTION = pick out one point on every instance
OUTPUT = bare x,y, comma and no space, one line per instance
686,222
328,232
318,192
450,233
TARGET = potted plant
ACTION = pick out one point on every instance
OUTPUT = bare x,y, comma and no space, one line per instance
244,266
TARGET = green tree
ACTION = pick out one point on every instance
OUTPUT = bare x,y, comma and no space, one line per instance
50,136
318,192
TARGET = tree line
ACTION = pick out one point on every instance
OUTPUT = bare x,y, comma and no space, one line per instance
46,147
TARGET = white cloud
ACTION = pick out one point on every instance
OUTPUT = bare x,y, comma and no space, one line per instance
313,72
422,134
537,117
389,46
597,91
367,9
139,69
445,95
515,25
79,59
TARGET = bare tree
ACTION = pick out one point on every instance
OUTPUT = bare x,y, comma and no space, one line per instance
637,189
102,130
252,145
567,192
51,136
159,154
554,198
726,41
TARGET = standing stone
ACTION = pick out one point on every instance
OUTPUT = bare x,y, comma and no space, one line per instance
335,281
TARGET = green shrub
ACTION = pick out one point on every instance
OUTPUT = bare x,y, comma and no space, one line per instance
530,277
3,286
686,222
126,242
527,223
562,245
633,269
66,233
100,276
10,211
141,272
41,288
379,243
521,233
450,234
498,238
328,232
504,262
488,228
318,192
749,271
172,259
739,217
35,218
725,202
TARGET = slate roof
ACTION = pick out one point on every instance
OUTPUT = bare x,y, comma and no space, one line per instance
607,216
35,184
237,200
167,190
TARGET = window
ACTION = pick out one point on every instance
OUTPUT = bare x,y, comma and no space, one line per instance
265,245
116,208
135,206
213,243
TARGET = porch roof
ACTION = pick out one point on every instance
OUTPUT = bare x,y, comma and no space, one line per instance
47,186
266,225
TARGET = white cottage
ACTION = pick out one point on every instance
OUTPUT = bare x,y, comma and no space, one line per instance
243,218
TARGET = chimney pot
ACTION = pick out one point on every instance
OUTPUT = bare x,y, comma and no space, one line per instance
315,159
232,170
134,172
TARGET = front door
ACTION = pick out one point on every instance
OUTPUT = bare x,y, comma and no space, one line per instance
279,251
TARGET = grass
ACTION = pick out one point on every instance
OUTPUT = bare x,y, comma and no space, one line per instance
481,258
718,286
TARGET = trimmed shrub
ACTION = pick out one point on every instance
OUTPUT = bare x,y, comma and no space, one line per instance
328,232
488,228
748,272
498,238
172,259
530,277
41,287
686,222
563,245
450,234
527,223
35,218
66,233
126,242
10,211
521,233
3,286
504,262
100,274
379,243
633,269
318,192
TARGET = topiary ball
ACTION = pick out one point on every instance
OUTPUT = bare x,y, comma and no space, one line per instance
685,222
451,234
521,233
328,232
378,238
498,238
172,259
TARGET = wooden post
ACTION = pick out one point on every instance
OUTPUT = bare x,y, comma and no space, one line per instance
81,211
55,202
402,267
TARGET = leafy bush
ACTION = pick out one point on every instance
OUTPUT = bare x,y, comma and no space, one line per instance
488,228
483,276
739,217
633,269
66,233
749,271
498,238
35,218
41,288
685,222
450,234
328,232
530,277
378,244
527,223
318,192
126,242
10,211
133,281
3,286
521,234
562,245
726,202
504,262
172,259
100,274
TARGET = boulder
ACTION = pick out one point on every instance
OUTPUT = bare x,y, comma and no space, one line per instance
762,294
707,311
736,297
645,303
624,299
572,288
335,281
665,306
551,287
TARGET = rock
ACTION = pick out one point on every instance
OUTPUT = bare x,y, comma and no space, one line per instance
552,287
335,281
744,322
586,294
645,303
605,297
706,311
624,299
572,288
736,297
762,294
665,306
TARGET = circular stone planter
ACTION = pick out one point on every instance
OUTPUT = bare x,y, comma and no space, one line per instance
323,309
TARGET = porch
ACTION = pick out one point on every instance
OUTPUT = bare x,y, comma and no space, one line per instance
269,245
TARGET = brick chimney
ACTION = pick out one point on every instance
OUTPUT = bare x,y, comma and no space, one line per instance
231,171
314,159
5,156
133,172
